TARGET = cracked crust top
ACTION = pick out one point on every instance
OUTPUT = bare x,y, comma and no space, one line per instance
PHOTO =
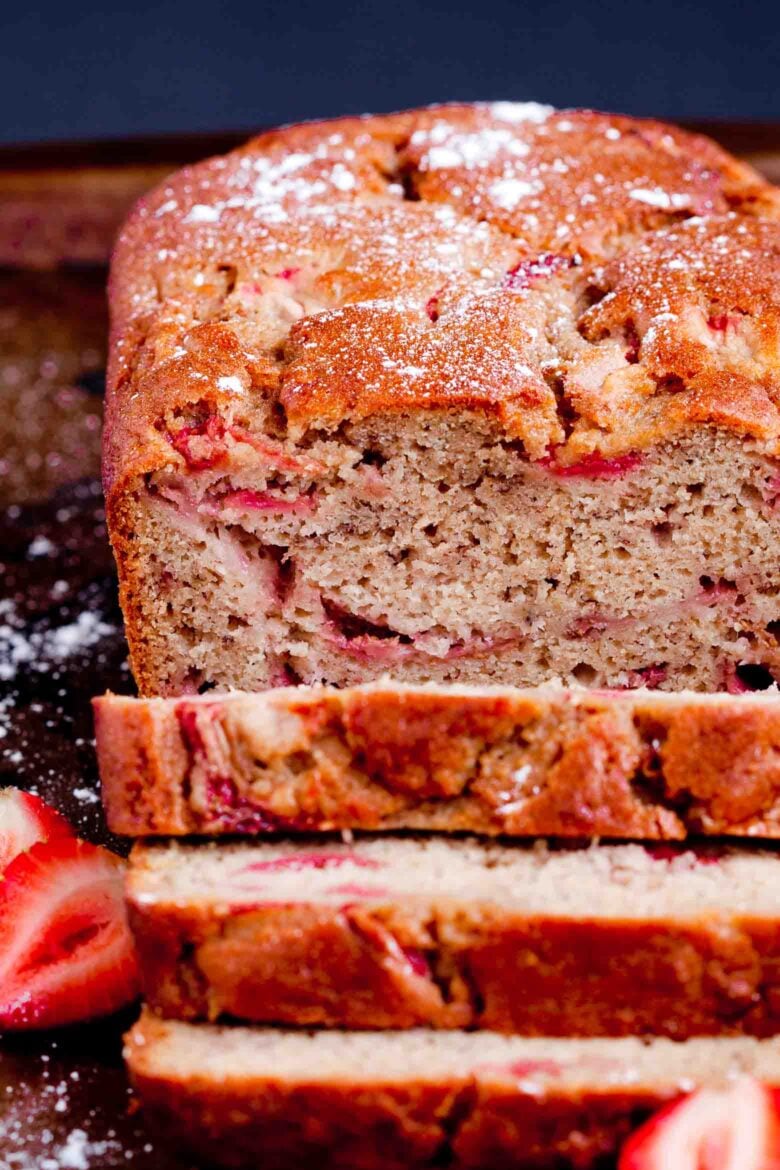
594,283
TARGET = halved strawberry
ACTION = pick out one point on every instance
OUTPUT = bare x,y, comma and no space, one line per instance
25,819
736,1128
66,953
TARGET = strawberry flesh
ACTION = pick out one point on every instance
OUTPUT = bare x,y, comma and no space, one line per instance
595,466
417,961
238,814
355,890
734,1128
432,306
25,819
66,953
649,677
705,854
202,446
523,1069
250,501
770,491
634,344
722,322
588,624
320,860
527,272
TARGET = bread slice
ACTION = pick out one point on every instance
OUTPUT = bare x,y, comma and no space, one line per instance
473,393
549,762
357,1101
383,933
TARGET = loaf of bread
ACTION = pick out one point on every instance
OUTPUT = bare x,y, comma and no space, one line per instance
398,1101
477,393
615,940
555,762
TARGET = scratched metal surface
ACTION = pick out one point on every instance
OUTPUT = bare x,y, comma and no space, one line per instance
64,1100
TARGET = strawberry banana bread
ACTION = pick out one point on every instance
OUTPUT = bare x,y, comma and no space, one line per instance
615,940
549,762
243,1097
467,393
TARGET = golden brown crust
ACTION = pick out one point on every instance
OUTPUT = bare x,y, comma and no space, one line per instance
620,162
425,258
703,300
536,762
457,964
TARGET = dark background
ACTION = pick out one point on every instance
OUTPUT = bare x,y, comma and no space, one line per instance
92,69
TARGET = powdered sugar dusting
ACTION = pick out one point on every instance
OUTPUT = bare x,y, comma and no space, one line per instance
508,192
40,649
41,546
342,179
202,213
267,187
520,111
77,1152
60,642
467,149
44,1125
231,384
86,795
656,198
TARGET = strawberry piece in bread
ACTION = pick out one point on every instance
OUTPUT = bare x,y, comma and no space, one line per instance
25,819
736,1128
66,953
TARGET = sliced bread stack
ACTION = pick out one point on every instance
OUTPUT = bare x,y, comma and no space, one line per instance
474,397
479,997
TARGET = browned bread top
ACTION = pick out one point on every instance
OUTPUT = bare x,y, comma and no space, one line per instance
491,258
